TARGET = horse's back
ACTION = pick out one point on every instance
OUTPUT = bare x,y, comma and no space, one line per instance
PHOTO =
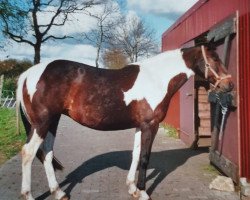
64,73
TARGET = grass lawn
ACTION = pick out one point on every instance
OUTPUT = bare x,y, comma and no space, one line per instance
10,141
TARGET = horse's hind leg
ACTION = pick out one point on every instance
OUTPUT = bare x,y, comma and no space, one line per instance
28,153
135,160
47,148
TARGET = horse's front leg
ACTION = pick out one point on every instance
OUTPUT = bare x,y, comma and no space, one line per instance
148,132
148,135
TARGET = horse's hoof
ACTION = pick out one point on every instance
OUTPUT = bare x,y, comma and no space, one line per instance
132,189
141,198
144,196
27,196
65,197
136,194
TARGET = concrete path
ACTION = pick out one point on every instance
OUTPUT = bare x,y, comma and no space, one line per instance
96,165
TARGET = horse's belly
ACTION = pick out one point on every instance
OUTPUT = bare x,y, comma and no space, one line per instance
103,118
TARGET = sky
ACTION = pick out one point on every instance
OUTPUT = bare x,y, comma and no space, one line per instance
158,14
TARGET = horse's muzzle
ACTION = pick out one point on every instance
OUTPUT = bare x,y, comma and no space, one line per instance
226,85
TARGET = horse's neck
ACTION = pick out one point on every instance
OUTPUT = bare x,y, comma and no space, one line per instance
165,66
154,77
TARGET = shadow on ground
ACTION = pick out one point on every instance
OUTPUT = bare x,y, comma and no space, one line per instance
162,163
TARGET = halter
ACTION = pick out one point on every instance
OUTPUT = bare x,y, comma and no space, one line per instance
208,67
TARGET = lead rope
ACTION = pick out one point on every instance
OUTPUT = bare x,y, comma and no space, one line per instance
224,110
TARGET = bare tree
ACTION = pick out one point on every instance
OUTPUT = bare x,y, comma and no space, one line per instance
134,38
106,19
24,24
5,10
114,59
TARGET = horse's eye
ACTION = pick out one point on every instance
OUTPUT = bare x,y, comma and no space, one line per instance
215,68
211,79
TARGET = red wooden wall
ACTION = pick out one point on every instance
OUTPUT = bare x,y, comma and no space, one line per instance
244,85
200,18
173,115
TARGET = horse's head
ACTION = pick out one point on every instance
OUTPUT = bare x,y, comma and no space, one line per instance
206,63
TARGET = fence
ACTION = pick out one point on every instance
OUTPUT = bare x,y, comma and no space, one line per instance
7,97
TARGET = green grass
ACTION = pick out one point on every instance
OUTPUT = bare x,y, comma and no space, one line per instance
170,130
10,141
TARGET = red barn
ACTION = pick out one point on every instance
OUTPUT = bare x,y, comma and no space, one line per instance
226,23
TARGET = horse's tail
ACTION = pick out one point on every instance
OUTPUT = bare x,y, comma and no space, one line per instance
18,131
19,97
20,110
57,165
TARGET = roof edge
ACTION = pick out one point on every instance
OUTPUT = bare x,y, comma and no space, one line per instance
189,12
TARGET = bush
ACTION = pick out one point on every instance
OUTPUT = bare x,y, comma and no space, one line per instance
12,68
170,130
9,86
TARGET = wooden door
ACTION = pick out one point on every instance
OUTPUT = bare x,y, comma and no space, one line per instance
225,152
187,107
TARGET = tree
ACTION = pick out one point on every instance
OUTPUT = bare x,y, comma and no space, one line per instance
5,10
106,20
134,38
24,24
114,59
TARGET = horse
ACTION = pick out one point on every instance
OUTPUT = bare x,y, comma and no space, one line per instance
136,96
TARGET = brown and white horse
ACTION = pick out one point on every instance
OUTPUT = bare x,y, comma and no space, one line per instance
136,96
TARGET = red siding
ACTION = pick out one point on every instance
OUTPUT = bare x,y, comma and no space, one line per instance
173,114
244,83
199,19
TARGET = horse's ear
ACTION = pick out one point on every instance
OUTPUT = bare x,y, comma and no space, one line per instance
191,56
211,45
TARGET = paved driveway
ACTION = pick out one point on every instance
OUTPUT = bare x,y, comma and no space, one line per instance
96,165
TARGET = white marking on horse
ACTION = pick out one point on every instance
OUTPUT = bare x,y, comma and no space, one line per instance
47,148
154,77
28,153
140,194
53,184
135,161
143,195
32,76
